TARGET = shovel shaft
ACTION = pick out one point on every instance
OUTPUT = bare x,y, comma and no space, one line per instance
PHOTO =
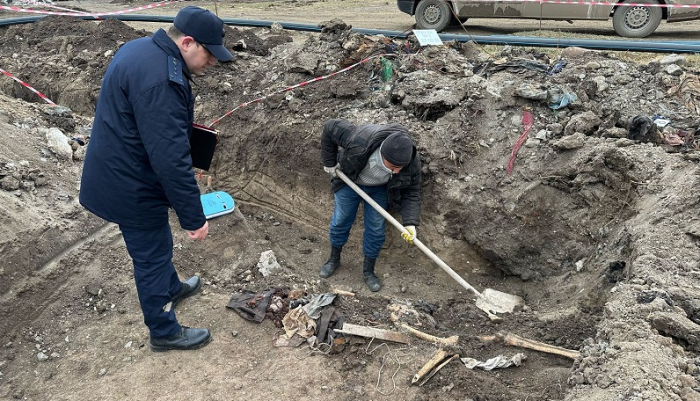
403,229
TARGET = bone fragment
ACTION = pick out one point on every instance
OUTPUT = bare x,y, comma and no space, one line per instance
435,360
449,341
343,292
437,369
517,341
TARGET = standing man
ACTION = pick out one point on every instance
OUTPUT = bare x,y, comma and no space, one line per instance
382,160
138,162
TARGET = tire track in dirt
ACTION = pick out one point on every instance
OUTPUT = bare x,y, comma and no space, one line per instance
33,294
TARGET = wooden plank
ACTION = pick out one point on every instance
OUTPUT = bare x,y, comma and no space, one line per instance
371,332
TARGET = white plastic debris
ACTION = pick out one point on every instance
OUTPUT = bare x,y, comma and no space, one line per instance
498,362
268,263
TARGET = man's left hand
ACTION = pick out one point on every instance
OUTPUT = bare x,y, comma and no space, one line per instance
410,235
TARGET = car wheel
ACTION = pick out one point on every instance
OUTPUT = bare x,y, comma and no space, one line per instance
433,14
636,21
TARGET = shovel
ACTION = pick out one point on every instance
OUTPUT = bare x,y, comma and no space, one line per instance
490,301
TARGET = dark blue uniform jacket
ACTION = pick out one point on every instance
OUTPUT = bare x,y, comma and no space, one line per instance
138,162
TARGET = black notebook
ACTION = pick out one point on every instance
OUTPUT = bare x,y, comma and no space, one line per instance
203,141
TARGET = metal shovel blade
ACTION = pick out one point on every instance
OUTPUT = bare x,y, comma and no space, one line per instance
498,302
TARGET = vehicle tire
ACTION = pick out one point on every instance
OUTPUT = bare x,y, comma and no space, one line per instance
636,21
433,14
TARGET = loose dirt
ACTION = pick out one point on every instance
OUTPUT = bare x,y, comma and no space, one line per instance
595,227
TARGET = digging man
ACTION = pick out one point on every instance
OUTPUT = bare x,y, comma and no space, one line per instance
383,161
138,162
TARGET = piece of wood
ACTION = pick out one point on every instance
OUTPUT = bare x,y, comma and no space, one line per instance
371,332
517,341
343,292
437,369
435,360
449,341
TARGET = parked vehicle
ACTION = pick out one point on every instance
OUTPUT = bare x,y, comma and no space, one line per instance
635,21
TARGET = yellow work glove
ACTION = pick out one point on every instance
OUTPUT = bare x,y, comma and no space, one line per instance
410,235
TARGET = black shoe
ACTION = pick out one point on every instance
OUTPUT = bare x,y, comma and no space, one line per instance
189,288
186,339
371,279
373,283
331,264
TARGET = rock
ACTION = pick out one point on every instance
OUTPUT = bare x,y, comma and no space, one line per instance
276,28
529,91
601,83
676,326
586,123
614,132
673,59
59,111
79,153
574,52
58,144
674,70
42,357
4,117
570,142
304,63
9,183
555,128
428,93
532,142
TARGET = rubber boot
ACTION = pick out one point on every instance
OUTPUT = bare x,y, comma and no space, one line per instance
332,263
371,279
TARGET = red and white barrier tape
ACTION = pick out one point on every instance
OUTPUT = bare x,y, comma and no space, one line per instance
82,13
41,95
589,3
228,113
66,9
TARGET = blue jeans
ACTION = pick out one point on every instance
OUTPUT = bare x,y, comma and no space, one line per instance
346,202
156,279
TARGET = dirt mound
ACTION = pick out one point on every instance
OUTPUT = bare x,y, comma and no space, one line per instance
593,229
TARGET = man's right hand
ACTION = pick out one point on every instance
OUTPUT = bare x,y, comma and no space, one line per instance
331,170
200,233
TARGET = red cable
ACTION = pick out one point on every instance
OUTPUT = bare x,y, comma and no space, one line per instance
527,123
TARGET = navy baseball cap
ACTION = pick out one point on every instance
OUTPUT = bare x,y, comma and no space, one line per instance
206,28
